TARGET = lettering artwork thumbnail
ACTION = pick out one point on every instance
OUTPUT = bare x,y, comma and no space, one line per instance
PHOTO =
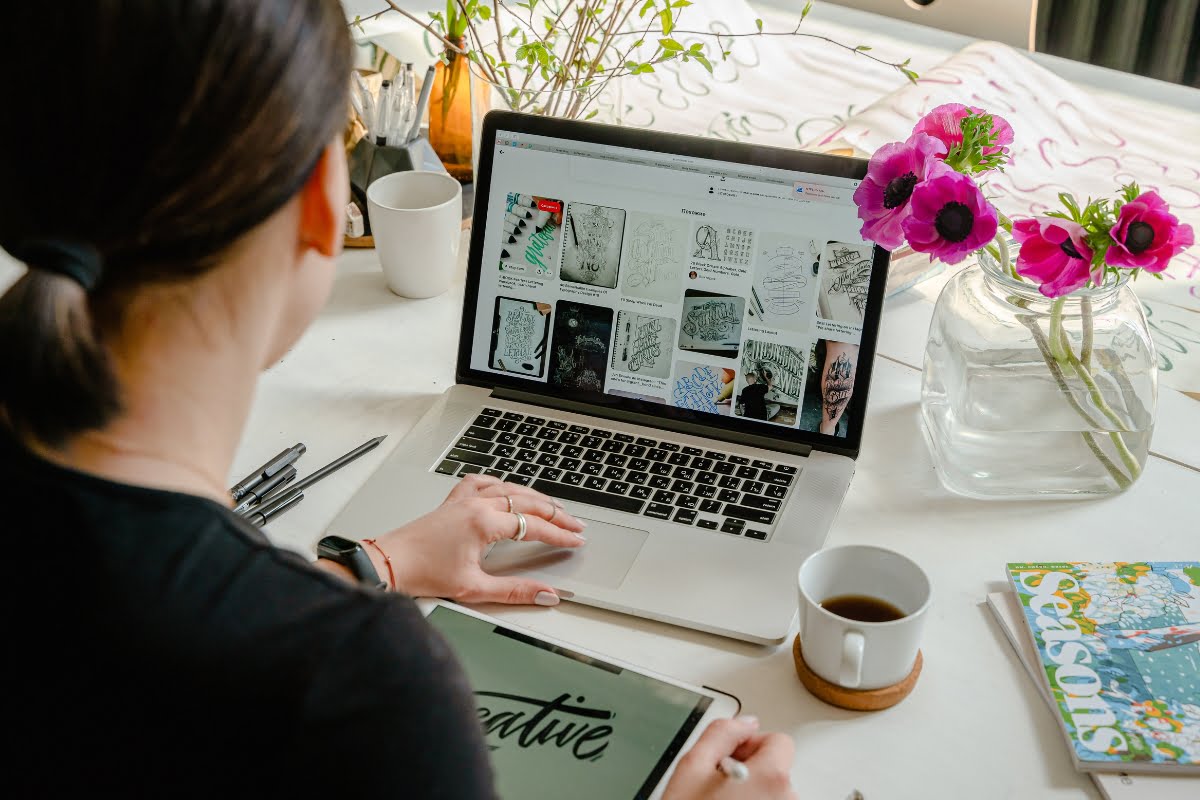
711,323
727,244
519,332
782,292
832,371
592,253
702,387
655,257
845,280
581,336
530,234
771,382
643,345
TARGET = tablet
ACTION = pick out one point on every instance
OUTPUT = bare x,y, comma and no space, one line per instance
562,721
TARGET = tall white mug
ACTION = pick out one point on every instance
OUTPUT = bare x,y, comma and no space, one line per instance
851,653
416,220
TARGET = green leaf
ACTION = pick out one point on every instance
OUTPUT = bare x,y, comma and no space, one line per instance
704,62
807,8
591,114
862,48
758,24
908,73
667,21
513,33
485,13
670,44
648,5
681,3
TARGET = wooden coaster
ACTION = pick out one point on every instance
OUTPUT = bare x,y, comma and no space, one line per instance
854,699
358,241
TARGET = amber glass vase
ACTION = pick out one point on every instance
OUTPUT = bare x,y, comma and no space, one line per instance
450,126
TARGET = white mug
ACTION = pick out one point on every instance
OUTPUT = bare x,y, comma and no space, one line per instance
416,219
851,653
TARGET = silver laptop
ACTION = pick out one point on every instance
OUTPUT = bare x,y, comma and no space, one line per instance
672,334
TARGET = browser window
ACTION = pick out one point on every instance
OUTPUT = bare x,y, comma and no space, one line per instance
721,288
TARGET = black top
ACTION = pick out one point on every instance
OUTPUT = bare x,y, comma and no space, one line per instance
753,400
159,646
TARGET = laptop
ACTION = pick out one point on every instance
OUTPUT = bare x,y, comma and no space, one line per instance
674,336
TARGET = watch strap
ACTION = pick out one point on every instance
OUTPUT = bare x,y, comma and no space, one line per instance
354,559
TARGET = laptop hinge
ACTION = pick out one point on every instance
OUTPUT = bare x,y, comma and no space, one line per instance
650,420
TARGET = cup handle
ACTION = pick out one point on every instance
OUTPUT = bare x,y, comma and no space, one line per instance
850,674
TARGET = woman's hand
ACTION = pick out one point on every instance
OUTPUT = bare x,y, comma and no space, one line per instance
439,554
768,756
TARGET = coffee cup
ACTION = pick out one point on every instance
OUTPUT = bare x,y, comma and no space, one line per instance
416,220
862,610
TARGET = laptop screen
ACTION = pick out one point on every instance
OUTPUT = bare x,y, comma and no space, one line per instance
729,294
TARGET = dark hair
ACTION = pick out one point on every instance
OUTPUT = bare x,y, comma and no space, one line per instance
153,134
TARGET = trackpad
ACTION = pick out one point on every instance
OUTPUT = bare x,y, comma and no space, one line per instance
603,561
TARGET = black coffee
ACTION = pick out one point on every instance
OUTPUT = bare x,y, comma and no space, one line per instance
862,608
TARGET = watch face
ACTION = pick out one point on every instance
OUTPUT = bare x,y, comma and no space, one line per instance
336,546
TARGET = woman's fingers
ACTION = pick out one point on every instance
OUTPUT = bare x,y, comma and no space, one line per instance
514,591
471,486
531,502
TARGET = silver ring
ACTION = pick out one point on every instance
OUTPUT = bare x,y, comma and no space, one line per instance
510,506
522,526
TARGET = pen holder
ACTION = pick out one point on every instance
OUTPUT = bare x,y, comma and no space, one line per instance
369,161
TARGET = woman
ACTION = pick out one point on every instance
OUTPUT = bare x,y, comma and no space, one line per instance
179,214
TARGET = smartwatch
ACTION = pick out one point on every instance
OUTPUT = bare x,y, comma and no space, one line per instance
351,555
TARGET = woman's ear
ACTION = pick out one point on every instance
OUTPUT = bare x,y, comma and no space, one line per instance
323,203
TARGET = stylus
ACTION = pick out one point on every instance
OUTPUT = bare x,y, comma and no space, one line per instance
256,494
734,770
270,511
332,466
276,464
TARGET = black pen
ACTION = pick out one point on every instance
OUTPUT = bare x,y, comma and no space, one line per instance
255,495
332,466
267,470
269,511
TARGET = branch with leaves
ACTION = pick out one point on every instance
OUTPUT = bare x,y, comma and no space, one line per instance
557,57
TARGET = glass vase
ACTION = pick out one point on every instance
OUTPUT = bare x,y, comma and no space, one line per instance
1023,396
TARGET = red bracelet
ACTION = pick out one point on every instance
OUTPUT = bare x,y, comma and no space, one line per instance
386,560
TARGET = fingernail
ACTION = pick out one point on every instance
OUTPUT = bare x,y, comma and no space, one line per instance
546,599
748,719
581,537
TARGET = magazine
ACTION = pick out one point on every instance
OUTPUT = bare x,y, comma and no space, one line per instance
1119,647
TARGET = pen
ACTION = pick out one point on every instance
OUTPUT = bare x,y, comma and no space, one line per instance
426,88
734,770
332,466
252,497
269,511
368,102
266,471
385,108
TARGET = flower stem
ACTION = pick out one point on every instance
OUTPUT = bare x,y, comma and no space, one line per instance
1085,351
1056,332
1090,440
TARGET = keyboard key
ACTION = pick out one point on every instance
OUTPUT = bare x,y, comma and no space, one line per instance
547,433
710,507
702,463
526,429
684,473
749,514
747,472
635,450
469,469
640,464
644,442
547,460
685,516
571,479
603,434
504,451
659,482
506,464
623,437
729,482
724,468
474,445
476,432
594,482
495,473
448,467
577,494
592,468
776,491
679,459
758,463
685,501
535,420
728,496
637,478
528,442
641,492
668,446
660,469
693,451
738,460
556,425
753,487
551,474
569,438
765,503
683,486
656,454
733,526
612,446
519,480
550,447
579,429
706,478
776,478
467,457
504,425
490,412
658,511
514,417
617,487
570,464
589,441
528,469
705,491
508,438
526,455
714,455
616,460
484,421
614,473
756,534
706,523
663,496
593,455
572,451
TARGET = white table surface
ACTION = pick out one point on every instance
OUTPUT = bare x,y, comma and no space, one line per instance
974,727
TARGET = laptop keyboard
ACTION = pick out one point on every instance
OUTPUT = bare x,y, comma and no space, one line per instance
701,488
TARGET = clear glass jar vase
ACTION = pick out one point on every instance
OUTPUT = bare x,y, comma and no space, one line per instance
1023,396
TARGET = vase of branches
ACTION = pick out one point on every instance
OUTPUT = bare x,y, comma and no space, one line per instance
451,112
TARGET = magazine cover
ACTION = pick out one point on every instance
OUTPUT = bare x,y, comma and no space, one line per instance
1119,645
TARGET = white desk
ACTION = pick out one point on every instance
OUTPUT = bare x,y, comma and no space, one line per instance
974,727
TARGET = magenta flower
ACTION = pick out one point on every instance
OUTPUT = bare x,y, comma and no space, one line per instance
950,218
882,197
945,123
1054,252
1147,235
